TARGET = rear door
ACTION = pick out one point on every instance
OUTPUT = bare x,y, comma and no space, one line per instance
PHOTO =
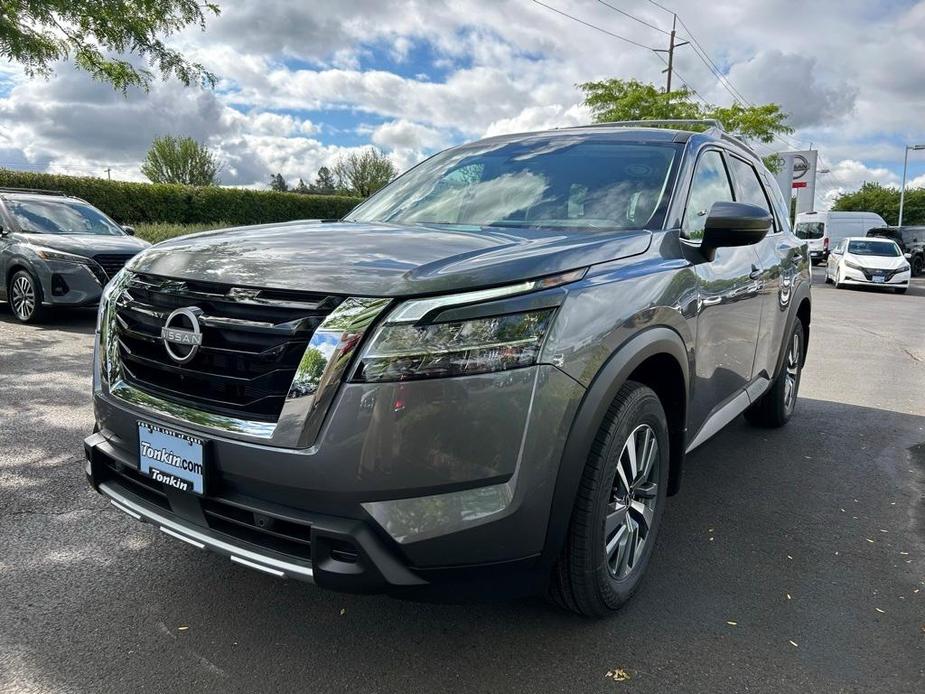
779,257
729,301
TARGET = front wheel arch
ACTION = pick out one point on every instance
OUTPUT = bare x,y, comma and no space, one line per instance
630,356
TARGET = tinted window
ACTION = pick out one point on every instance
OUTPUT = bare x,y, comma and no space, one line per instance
566,182
809,230
710,184
61,217
886,249
748,187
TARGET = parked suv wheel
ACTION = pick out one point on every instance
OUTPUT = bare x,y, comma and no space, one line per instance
25,297
774,408
918,265
619,507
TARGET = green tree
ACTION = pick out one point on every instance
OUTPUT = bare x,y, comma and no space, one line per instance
616,99
181,160
278,183
302,188
324,182
364,172
873,197
39,33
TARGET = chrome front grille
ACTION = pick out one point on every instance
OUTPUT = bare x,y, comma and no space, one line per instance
253,341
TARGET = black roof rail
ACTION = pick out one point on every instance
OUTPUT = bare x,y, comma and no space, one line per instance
33,191
660,122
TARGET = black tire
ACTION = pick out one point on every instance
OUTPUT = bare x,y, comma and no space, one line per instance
901,290
828,280
776,406
583,579
918,265
24,294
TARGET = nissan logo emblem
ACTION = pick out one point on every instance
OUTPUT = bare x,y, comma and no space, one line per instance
181,334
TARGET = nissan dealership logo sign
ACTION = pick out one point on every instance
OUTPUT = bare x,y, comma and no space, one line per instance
800,166
181,334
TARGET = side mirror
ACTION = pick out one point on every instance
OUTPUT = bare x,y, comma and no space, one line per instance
3,231
731,224
908,256
128,230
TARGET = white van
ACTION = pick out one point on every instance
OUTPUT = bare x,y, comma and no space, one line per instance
822,230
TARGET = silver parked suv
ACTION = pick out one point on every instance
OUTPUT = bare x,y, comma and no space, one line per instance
57,251
484,379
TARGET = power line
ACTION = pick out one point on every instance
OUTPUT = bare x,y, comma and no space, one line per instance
593,26
633,17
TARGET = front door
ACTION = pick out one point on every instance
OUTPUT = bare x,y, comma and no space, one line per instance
729,303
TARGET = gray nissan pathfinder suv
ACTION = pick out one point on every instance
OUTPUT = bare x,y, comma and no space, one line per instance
484,379
57,251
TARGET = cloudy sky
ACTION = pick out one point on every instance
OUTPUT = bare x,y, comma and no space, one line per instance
300,83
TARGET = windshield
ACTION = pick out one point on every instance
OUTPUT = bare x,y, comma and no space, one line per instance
809,230
887,249
560,181
61,217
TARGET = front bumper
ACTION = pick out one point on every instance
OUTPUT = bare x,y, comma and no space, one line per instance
414,488
852,276
69,285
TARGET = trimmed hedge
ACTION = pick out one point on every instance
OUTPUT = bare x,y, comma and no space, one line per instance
167,202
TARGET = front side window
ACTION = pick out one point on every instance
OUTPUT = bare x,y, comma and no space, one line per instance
809,230
61,217
710,185
562,182
885,249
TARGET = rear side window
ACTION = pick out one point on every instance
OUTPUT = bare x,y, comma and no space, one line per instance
710,185
748,187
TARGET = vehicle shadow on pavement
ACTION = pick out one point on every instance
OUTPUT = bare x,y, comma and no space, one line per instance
777,557
81,320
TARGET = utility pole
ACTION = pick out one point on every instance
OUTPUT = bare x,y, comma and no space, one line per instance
109,174
902,190
670,51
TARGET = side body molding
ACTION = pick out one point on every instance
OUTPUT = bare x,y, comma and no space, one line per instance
591,411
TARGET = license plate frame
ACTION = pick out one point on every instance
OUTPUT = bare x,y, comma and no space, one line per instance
879,279
174,459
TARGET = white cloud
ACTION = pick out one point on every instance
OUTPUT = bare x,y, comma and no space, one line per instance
850,72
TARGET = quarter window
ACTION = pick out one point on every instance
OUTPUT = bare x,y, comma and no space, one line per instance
748,187
710,185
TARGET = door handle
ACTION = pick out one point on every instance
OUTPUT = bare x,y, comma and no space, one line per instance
755,273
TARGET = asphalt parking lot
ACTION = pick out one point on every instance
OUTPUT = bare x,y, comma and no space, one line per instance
792,560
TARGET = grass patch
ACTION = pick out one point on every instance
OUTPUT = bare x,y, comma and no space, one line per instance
161,231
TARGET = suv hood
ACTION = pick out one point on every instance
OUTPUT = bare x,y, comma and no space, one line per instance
373,259
87,245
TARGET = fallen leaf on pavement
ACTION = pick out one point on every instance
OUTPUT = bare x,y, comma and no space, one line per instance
618,674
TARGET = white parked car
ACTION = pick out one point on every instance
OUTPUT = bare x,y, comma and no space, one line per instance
868,261
823,230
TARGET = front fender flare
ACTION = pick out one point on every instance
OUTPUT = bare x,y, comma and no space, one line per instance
591,411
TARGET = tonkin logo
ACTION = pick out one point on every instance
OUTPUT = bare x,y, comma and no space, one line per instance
181,334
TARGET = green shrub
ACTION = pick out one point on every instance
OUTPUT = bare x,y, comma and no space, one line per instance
166,202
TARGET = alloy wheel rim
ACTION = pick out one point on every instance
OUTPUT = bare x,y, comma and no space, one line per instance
23,296
792,374
631,506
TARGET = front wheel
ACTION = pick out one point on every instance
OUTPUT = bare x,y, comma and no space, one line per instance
901,290
838,282
618,508
918,265
775,407
25,296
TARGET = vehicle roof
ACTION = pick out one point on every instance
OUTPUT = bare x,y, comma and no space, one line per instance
623,133
837,213
875,239
13,195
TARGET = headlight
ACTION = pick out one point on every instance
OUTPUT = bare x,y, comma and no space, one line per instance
413,343
406,351
904,268
52,254
853,265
